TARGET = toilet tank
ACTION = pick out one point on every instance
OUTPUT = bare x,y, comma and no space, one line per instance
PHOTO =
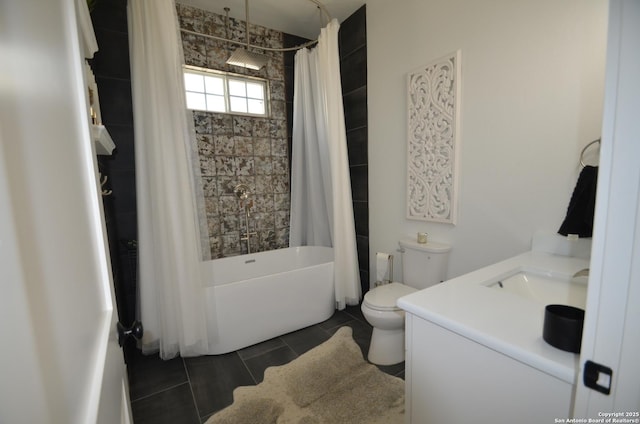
424,264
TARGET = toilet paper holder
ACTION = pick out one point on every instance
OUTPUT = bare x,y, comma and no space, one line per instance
390,274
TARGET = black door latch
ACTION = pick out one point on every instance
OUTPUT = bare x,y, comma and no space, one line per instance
597,377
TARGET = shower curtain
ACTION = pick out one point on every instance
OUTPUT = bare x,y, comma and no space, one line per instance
169,279
321,202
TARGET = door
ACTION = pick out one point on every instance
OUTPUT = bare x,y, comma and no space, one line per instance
60,362
611,335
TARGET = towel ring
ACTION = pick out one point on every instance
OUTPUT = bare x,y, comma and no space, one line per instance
584,150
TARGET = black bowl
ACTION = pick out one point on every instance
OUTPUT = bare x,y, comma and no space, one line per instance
563,327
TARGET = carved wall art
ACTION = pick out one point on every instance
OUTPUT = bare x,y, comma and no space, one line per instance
433,119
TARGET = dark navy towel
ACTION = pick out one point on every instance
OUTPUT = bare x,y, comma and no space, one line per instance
579,219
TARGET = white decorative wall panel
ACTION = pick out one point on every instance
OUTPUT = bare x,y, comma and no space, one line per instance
433,115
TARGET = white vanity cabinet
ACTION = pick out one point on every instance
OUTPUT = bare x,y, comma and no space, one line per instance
474,347
452,379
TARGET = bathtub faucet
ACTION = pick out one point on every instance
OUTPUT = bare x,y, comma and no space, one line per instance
246,235
242,192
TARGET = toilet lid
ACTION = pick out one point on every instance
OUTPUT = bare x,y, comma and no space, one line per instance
384,297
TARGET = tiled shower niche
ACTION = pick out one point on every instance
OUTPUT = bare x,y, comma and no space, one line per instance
237,149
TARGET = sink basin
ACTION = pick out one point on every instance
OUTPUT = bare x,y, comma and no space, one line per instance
544,287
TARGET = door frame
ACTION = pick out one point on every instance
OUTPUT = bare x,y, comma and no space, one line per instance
611,336
57,297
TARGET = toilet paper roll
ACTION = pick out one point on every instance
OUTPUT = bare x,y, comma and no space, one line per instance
382,266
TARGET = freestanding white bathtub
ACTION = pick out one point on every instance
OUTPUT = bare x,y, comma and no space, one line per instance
253,298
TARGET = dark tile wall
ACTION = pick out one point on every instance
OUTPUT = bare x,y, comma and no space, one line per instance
353,69
110,66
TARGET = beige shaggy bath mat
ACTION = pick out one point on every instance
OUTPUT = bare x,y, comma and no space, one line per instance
330,384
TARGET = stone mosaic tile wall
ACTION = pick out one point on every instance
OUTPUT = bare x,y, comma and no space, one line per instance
237,149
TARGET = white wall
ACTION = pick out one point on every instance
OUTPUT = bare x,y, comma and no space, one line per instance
532,93
53,270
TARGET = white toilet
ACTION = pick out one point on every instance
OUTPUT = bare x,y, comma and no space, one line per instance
423,265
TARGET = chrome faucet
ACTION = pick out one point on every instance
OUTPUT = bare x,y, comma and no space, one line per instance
242,192
582,273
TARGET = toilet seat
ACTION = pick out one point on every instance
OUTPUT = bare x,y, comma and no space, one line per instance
385,297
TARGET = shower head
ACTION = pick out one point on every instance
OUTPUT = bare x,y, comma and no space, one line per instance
243,57
251,60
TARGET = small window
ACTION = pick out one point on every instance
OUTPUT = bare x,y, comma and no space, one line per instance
216,91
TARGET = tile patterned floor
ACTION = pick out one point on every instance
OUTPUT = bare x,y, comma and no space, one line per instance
190,390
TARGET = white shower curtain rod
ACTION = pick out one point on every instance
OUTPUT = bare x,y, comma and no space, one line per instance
244,43
320,6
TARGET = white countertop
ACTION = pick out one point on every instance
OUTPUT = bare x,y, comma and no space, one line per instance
500,320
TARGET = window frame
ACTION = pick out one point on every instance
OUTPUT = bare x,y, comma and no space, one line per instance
226,77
